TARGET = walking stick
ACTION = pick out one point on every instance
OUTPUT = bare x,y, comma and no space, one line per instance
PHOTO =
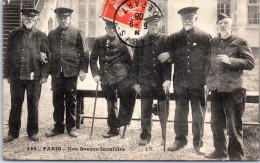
206,94
94,111
167,98
124,131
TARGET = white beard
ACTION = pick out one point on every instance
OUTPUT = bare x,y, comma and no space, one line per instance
28,25
187,27
224,33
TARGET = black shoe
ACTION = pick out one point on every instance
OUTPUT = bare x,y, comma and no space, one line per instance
216,155
176,145
54,132
34,137
9,138
112,132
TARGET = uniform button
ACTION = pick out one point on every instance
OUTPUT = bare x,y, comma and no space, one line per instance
153,64
105,71
188,35
217,65
154,71
61,46
60,51
22,65
188,56
217,74
23,49
188,42
61,58
219,48
188,63
188,71
188,49
153,52
153,58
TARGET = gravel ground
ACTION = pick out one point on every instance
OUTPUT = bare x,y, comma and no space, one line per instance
63,147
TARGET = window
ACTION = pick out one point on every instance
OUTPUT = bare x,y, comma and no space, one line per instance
223,7
253,11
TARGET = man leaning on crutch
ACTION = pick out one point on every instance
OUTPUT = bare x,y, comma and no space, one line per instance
114,73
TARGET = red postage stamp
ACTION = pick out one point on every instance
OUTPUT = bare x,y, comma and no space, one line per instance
127,12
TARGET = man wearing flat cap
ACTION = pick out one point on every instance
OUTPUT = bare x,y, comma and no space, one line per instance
230,55
25,71
69,59
189,50
114,74
152,78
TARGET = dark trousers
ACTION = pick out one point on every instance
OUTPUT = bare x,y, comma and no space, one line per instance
126,93
64,91
148,94
228,108
196,98
33,91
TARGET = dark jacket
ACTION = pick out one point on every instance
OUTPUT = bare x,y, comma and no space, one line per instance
69,52
148,69
114,60
189,51
224,77
23,58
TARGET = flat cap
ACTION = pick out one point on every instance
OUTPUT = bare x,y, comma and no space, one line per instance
222,16
62,11
30,11
109,23
153,18
188,11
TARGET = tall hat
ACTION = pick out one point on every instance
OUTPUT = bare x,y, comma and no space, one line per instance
30,11
222,16
188,11
62,11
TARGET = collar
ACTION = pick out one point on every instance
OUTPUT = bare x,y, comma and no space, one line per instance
64,29
191,31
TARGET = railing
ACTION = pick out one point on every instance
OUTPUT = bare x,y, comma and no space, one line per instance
252,97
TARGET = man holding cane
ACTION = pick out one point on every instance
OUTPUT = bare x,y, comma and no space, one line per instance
152,78
114,74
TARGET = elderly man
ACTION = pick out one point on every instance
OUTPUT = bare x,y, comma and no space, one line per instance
69,60
152,78
230,55
189,49
25,71
114,73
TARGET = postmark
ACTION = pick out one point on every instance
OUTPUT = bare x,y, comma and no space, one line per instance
129,21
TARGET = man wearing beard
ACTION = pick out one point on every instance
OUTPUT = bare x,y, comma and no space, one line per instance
114,74
25,71
152,78
189,49
230,55
69,59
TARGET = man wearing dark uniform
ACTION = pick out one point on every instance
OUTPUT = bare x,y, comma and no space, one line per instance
69,60
189,48
114,73
24,70
230,55
152,78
